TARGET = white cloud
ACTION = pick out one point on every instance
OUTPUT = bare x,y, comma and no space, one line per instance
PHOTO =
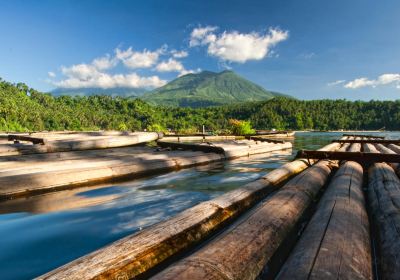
96,79
234,46
383,79
144,59
179,54
105,62
200,34
51,74
171,65
335,83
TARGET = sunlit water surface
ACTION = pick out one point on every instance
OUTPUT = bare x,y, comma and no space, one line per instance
43,232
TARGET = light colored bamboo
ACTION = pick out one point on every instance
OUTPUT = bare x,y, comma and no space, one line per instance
336,242
384,198
87,143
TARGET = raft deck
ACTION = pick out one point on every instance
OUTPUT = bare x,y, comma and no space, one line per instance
272,229
43,172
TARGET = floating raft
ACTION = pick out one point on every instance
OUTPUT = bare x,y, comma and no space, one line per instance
39,143
43,172
274,228
139,253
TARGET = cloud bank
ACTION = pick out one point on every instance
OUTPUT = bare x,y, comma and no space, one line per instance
96,74
384,79
234,46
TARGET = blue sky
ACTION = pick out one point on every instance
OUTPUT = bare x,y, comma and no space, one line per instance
310,49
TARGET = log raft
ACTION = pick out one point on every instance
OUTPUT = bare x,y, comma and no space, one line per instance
248,233
136,254
39,173
336,242
59,143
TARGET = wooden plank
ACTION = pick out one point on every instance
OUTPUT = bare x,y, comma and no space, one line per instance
135,254
336,242
362,157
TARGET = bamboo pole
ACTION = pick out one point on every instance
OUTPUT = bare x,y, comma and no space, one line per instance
87,143
336,242
135,254
384,197
243,250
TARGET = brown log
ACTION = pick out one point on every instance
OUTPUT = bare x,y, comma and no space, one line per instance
384,197
89,143
336,242
243,250
394,148
137,253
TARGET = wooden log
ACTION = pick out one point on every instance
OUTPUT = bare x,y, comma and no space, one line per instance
383,194
362,157
394,148
384,150
336,242
34,140
384,197
364,136
242,251
263,139
369,140
76,145
192,147
137,253
19,184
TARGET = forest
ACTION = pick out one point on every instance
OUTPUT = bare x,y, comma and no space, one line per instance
25,109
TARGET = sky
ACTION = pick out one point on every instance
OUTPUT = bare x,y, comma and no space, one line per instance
310,49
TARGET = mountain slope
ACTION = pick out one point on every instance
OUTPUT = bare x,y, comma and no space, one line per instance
208,89
122,92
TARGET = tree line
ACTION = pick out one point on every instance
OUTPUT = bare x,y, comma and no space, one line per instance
25,109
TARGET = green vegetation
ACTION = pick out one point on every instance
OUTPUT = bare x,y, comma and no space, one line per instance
238,127
25,109
208,89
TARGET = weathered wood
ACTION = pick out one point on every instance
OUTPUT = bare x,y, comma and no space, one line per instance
18,183
193,147
362,157
336,242
90,143
372,141
365,136
384,197
137,253
34,140
263,139
384,193
242,251
394,148
229,149
183,138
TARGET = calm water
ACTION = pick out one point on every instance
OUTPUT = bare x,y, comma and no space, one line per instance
43,232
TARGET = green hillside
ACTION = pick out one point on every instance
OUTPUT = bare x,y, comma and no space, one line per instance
208,89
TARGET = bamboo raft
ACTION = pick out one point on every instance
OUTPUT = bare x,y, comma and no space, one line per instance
101,158
274,227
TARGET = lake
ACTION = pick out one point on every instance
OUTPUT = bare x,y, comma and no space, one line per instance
43,232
